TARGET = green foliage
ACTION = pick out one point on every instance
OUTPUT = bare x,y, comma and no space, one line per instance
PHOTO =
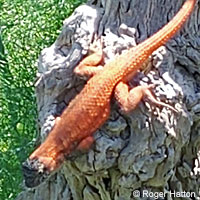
1,50
27,26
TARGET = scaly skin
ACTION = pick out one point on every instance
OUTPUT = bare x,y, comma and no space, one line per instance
91,108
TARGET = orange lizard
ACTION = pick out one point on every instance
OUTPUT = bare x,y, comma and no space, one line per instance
74,129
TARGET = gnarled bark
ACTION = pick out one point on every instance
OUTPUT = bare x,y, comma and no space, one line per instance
150,149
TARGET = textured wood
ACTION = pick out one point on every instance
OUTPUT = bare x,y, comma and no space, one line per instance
149,149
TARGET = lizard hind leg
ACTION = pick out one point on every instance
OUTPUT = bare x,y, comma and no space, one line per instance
128,100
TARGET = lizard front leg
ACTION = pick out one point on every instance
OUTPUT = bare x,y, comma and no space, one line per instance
89,65
128,100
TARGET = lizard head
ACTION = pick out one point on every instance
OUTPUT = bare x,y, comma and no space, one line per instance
34,172
37,168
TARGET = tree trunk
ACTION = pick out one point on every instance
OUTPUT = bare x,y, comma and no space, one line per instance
150,151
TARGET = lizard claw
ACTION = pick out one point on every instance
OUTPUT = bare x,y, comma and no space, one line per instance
148,93
151,86
97,44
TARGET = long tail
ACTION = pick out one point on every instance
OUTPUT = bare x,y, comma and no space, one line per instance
169,30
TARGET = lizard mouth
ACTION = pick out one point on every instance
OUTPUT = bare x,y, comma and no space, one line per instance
34,172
